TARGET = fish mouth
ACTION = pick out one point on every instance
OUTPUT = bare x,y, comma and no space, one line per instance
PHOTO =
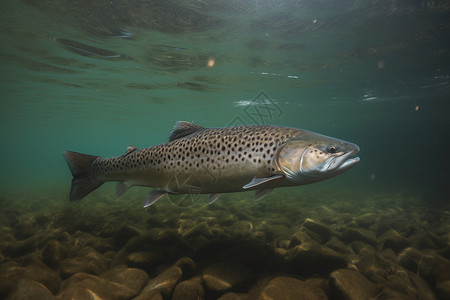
342,162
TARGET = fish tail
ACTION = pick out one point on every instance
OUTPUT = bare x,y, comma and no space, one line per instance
84,181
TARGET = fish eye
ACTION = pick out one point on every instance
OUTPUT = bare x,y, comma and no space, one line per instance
332,149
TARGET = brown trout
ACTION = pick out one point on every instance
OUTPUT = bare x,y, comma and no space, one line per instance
216,160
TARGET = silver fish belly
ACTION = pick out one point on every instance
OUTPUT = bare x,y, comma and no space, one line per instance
217,160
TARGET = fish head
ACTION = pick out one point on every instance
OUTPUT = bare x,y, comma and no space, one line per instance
310,157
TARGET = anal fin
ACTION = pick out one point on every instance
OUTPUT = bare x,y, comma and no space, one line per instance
259,194
212,197
258,181
154,196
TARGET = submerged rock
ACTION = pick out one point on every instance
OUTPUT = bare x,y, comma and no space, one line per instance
366,219
312,258
317,230
358,234
30,289
143,260
53,254
187,266
163,284
373,265
392,239
189,290
11,273
87,286
234,296
87,261
132,278
350,285
286,288
225,276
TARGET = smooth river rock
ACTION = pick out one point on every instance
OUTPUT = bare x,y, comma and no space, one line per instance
312,258
286,288
163,284
225,276
191,289
350,285
27,289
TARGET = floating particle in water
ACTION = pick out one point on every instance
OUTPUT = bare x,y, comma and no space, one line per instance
211,62
416,108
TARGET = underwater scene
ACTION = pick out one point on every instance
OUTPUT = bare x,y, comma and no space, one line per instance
232,150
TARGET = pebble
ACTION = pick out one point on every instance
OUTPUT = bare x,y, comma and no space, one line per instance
187,266
286,288
350,285
162,284
393,240
317,230
27,289
226,252
312,258
87,286
12,272
189,290
202,229
143,260
234,296
373,265
88,261
53,254
225,276
366,219
132,278
350,234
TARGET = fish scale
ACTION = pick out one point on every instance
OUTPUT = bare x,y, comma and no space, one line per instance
214,149
212,161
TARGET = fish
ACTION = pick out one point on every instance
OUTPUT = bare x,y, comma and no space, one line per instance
214,161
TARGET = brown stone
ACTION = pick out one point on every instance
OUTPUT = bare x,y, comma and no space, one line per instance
373,265
286,288
312,258
189,290
350,285
53,254
393,240
87,286
443,289
234,296
132,278
365,220
11,273
317,230
224,276
88,260
27,289
162,284
187,266
350,234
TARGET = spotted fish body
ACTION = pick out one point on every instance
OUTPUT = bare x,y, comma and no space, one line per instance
213,161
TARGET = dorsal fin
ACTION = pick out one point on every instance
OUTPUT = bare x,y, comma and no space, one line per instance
131,149
182,129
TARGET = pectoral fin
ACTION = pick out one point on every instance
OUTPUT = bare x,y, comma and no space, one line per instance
121,188
212,197
259,194
154,196
257,181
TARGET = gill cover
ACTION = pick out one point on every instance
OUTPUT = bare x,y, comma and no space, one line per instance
290,159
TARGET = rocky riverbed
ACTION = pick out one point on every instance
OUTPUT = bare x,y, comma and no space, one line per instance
290,245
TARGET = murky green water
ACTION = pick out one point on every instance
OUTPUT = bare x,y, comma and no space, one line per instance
97,76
